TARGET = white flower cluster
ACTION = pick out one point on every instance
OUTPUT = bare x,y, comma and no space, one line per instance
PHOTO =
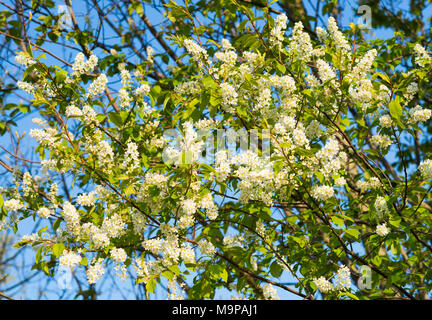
340,41
187,254
73,111
131,157
422,57
97,235
286,83
69,259
124,98
260,228
87,199
222,166
89,115
24,60
229,97
330,158
198,53
25,86
234,240
228,57
44,212
418,114
189,206
342,281
150,52
411,91
13,205
105,155
118,254
169,247
81,66
341,181
425,168
30,238
363,66
384,94
206,247
326,72
382,140
71,217
113,226
264,99
270,292
321,33
382,230
53,193
207,124
156,179
373,183
381,205
323,284
362,93
209,205
27,184
125,77
152,245
277,33
188,88
46,137
256,176
253,59
143,90
95,271
97,86
385,121
300,45
322,193
313,82
49,164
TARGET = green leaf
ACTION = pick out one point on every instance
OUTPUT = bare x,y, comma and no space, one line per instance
395,109
60,75
348,294
57,249
224,275
395,222
151,285
168,274
338,221
84,261
353,232
175,269
281,68
115,118
275,269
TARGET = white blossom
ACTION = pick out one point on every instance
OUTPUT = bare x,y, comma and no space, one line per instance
118,254
382,230
69,259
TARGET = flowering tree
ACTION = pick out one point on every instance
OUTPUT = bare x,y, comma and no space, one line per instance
285,155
